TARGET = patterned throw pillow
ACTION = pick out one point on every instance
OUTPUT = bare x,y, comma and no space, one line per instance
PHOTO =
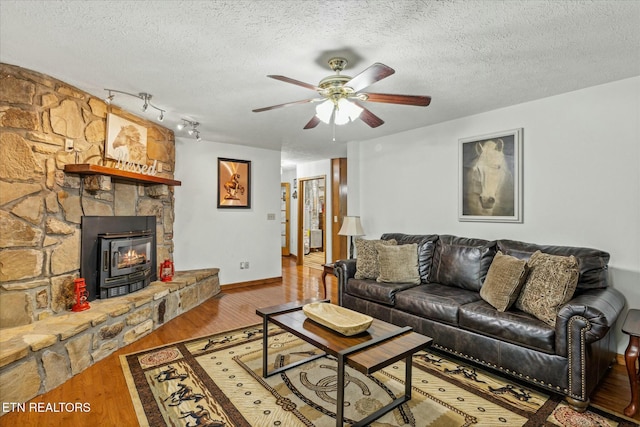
505,279
398,264
367,261
551,283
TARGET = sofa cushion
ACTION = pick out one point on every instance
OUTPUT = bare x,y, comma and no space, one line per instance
592,263
367,262
426,246
461,262
398,264
504,281
513,326
551,283
434,301
370,290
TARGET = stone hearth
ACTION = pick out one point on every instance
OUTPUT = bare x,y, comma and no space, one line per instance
38,357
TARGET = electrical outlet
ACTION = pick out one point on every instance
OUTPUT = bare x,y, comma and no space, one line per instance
244,265
271,217
68,144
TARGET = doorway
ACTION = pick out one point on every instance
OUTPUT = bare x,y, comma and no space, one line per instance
312,222
284,218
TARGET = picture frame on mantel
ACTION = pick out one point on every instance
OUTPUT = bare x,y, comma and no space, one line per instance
234,184
125,140
490,177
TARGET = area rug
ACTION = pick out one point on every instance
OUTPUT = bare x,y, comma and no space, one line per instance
217,381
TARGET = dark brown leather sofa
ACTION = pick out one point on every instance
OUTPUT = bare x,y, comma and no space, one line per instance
569,359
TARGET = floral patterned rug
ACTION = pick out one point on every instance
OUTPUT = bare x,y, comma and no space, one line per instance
217,381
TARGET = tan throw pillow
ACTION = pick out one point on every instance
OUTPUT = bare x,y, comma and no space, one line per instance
505,279
367,258
551,283
398,264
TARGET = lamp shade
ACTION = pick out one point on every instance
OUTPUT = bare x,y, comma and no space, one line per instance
351,226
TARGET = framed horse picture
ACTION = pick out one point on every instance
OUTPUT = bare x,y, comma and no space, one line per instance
490,177
234,183
126,141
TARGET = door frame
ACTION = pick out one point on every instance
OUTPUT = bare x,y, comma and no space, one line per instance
301,184
287,217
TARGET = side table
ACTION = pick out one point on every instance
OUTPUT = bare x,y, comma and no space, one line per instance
632,327
326,269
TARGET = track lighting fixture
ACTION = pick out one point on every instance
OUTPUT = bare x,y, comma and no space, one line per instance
146,98
192,128
190,125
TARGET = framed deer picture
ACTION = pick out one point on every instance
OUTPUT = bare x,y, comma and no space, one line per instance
490,177
234,183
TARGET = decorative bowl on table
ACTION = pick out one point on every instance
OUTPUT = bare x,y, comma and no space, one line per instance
342,320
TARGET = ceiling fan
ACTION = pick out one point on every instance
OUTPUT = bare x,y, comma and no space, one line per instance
340,95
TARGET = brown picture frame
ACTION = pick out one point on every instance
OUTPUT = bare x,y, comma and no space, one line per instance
234,184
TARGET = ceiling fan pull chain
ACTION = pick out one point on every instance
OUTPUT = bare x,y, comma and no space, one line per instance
334,131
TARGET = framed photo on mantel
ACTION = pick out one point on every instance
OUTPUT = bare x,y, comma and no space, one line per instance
490,177
125,141
234,184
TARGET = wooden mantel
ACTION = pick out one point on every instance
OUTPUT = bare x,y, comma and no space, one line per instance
89,169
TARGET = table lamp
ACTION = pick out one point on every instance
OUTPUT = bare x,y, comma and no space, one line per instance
351,227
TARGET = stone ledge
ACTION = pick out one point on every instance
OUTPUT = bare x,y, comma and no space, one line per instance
103,324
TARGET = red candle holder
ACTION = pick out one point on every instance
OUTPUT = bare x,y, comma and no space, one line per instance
81,296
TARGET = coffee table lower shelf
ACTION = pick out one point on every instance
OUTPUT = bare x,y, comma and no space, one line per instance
380,346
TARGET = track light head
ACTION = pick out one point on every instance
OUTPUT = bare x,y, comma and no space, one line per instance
193,128
109,98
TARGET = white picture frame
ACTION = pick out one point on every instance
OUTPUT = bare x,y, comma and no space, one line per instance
490,177
125,140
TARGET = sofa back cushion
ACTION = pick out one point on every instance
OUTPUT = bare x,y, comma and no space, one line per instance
592,263
426,246
462,262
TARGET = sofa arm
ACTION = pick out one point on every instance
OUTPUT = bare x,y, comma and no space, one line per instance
344,269
587,318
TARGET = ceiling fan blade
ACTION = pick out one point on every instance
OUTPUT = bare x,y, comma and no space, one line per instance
417,100
287,104
374,73
312,123
294,81
369,118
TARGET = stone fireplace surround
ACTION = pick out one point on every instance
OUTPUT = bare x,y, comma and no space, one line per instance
43,343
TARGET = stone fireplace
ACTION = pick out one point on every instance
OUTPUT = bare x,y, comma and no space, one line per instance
43,214
41,206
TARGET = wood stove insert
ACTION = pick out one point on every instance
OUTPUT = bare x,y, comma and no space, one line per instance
118,254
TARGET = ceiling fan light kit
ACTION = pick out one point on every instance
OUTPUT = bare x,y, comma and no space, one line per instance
340,94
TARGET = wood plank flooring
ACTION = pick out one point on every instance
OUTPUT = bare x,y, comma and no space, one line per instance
103,387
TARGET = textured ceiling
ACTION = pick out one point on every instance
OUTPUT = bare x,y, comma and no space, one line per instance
208,60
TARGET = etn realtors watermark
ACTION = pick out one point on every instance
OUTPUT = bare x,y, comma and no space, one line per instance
45,407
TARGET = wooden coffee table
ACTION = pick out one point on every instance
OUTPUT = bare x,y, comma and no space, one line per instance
379,346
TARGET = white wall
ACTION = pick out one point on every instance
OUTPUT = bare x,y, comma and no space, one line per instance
207,237
581,178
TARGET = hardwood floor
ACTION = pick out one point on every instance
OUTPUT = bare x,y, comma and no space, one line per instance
102,386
